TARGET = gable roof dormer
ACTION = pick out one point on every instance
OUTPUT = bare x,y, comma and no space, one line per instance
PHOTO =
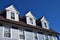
12,13
30,18
11,8
43,22
29,14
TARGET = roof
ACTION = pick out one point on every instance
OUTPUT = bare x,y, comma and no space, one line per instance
23,24
20,23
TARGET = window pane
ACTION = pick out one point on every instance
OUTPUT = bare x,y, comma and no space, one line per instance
21,34
12,15
46,37
7,32
35,36
45,24
31,20
22,37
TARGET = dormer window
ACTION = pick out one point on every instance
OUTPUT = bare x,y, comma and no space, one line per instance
12,15
45,25
43,22
31,20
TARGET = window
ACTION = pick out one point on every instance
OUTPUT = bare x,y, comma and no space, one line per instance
40,36
22,37
31,20
46,37
50,37
1,24
12,15
21,34
7,32
45,25
35,36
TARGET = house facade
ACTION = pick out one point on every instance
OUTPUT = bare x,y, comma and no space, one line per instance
15,27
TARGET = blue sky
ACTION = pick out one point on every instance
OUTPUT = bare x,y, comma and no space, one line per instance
48,8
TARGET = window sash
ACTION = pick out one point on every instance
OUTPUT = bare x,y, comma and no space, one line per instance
46,37
12,15
7,35
21,34
22,37
31,20
35,36
45,25
7,32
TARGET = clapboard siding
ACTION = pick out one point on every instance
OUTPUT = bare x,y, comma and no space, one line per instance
14,34
1,32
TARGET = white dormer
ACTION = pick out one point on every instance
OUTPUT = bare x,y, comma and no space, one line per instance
30,19
12,13
45,23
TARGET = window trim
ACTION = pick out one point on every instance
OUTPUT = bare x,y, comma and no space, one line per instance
10,33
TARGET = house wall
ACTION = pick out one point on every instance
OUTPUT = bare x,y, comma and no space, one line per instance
14,34
28,35
41,36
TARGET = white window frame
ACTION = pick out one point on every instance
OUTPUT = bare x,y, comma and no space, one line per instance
10,33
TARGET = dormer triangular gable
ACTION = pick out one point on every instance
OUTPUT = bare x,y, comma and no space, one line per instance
43,18
44,22
29,14
11,8
12,13
30,18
